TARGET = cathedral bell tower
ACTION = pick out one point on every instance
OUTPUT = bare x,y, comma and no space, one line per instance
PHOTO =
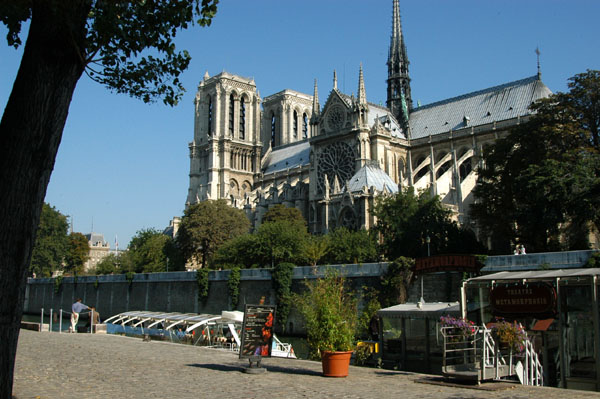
399,100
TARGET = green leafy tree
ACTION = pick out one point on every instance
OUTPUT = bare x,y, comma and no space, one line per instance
281,212
77,253
406,219
347,246
148,251
206,226
242,250
315,248
540,184
127,46
108,265
51,242
281,241
396,281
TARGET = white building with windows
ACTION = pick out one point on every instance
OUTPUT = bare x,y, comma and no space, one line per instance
99,249
331,161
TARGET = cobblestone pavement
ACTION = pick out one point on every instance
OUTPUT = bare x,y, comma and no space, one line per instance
52,365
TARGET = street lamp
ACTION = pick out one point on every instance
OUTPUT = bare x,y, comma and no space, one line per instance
427,240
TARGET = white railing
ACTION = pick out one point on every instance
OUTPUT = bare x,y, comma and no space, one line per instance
461,351
60,319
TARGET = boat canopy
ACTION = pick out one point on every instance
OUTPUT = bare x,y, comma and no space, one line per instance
190,321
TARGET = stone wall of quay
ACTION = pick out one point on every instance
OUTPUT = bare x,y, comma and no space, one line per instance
178,291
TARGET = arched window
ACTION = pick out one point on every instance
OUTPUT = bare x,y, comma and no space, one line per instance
242,119
442,169
465,168
231,99
209,115
295,124
304,126
273,129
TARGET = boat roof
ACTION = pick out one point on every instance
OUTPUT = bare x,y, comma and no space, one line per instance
421,310
536,275
169,320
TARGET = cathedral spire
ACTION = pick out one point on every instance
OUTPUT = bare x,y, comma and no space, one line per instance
316,108
399,99
362,94
334,79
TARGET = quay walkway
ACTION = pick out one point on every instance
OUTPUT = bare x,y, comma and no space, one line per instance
85,366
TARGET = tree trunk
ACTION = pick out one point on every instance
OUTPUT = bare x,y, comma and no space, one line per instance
30,132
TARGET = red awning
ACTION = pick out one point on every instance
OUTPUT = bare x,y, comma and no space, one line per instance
542,325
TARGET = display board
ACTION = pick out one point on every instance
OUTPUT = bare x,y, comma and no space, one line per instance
257,331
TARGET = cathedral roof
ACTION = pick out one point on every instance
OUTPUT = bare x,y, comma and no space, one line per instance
378,112
498,103
287,157
372,176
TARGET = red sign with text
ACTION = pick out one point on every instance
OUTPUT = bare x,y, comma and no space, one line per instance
447,263
520,299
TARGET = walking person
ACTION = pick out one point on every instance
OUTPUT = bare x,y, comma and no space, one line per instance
75,310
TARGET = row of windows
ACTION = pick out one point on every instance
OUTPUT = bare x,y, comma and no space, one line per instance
294,127
242,117
242,121
240,161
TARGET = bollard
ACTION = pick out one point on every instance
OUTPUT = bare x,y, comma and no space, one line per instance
92,321
50,322
42,320
60,322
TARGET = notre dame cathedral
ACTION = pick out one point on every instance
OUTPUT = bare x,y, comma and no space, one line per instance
332,161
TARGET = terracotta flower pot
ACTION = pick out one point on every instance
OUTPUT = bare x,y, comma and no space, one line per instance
335,364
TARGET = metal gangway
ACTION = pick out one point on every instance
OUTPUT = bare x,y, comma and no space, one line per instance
476,356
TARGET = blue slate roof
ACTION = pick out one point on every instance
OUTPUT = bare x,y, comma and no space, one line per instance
371,176
497,103
287,157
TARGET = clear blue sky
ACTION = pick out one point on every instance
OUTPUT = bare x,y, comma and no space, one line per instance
124,165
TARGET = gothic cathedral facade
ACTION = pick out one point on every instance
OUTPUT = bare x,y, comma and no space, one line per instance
332,162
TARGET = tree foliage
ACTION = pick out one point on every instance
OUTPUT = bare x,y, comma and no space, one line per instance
242,250
281,212
406,219
108,265
315,248
77,253
148,251
206,226
127,46
281,241
51,242
347,246
540,184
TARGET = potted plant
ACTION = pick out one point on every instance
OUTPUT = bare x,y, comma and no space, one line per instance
510,336
458,330
330,314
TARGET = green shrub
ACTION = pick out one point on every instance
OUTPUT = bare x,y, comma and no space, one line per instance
282,276
233,285
330,314
202,280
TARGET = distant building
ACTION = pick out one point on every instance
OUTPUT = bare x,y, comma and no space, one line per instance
331,161
99,249
171,231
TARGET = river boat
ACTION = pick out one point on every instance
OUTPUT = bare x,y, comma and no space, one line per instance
209,330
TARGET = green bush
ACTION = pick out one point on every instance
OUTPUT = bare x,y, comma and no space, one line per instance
202,280
330,314
282,284
396,281
233,285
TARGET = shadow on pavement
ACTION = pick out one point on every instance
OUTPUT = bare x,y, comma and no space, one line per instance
272,369
217,367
